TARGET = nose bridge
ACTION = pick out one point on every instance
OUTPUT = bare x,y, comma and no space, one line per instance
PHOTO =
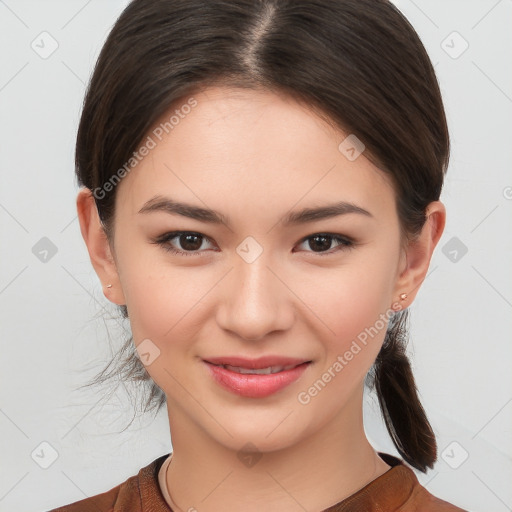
255,283
252,276
256,302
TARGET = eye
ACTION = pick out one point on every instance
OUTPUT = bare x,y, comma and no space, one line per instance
190,242
321,242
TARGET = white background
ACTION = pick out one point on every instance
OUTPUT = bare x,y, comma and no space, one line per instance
54,317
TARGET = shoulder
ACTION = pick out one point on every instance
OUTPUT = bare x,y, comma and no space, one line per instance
103,502
419,499
396,490
422,500
133,495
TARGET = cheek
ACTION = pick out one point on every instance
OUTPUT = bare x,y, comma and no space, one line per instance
352,329
348,300
162,305
170,305
160,295
164,313
352,306
167,311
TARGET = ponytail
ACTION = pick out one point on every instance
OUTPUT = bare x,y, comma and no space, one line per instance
403,413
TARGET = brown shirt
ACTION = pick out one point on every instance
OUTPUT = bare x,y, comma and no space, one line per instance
397,490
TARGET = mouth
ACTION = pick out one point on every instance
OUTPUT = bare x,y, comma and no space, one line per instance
260,363
256,378
257,371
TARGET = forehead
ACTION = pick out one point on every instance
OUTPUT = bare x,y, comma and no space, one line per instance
225,146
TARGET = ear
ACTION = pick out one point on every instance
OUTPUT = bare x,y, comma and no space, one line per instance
98,246
416,260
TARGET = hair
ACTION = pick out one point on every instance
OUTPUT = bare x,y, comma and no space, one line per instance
357,63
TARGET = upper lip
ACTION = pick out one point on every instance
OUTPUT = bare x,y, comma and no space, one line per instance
260,362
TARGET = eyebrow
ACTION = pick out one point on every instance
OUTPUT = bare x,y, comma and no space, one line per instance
168,205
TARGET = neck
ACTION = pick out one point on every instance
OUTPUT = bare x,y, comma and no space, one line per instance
314,474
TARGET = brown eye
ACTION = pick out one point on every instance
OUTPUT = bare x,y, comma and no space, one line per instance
322,242
189,243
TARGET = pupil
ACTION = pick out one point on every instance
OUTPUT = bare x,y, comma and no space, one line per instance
324,244
189,244
193,242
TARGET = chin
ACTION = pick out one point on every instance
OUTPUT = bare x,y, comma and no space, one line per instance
263,433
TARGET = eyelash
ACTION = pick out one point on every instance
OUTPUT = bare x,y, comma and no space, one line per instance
345,243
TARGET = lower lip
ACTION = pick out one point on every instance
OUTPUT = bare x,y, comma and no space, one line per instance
253,385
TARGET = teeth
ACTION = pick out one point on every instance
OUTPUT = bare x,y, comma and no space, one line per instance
257,371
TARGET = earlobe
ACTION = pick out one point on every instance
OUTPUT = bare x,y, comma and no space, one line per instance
98,246
419,253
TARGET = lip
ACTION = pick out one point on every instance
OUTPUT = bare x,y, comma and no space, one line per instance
254,364
255,385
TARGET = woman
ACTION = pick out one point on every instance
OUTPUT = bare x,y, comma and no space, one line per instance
260,196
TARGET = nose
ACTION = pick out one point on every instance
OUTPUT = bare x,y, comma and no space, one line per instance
256,301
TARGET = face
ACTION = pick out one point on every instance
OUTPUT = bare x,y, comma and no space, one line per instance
261,276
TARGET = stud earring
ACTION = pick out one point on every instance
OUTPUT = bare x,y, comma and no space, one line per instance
109,286
403,296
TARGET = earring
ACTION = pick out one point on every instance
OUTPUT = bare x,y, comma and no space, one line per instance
109,286
403,296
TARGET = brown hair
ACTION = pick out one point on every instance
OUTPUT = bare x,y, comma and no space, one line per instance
358,63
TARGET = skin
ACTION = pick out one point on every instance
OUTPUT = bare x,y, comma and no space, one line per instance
254,156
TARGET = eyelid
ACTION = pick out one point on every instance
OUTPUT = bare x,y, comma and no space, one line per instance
164,241
346,242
